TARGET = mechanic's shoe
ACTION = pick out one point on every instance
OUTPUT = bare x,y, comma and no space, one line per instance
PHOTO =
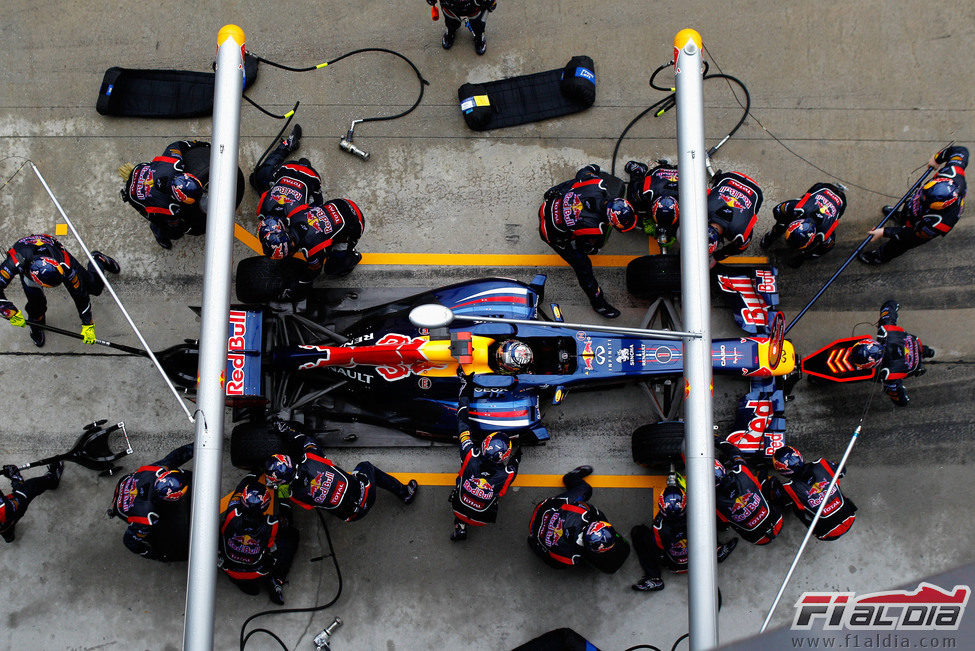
447,41
411,489
870,258
575,476
13,473
725,549
293,141
766,241
54,471
602,307
648,584
459,533
926,352
304,161
888,311
106,263
161,239
886,210
275,590
37,334
636,168
354,259
480,44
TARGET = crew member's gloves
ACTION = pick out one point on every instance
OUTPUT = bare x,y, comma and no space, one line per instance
88,333
17,319
493,6
9,311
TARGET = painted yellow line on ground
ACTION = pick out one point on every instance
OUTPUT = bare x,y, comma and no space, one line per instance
656,482
248,239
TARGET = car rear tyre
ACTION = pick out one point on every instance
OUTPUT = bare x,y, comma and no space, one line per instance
252,443
651,276
658,444
261,279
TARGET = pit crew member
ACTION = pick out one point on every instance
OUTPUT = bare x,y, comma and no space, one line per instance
14,505
653,193
733,204
806,488
740,500
473,12
809,223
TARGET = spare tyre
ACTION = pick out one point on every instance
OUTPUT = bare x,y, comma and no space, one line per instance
658,444
261,279
578,81
650,276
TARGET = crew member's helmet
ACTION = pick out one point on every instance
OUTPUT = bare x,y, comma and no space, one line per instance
665,211
275,238
800,234
496,448
599,537
939,193
514,356
867,354
171,486
46,272
787,460
621,214
254,498
279,470
714,238
720,473
186,188
672,502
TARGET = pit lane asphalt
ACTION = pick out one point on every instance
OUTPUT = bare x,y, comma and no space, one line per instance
866,91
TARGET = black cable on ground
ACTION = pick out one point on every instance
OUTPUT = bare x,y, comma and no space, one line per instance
310,609
679,640
277,138
643,646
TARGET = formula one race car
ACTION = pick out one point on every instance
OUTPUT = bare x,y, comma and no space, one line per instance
323,363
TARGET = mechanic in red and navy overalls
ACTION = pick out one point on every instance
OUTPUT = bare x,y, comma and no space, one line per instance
144,497
473,11
316,482
486,470
932,211
42,262
566,530
14,505
805,488
740,500
281,182
653,193
574,220
257,540
733,204
809,223
166,194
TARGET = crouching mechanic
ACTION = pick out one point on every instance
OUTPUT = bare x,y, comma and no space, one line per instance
316,482
574,221
809,223
896,353
257,540
653,193
666,543
806,488
14,505
932,211
42,262
165,194
486,471
740,499
566,530
151,495
733,204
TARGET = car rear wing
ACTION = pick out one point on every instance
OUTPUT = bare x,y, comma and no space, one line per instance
245,345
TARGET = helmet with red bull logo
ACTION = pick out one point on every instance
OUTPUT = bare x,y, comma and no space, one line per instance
276,240
672,502
720,472
867,354
787,460
279,470
599,537
621,214
496,448
171,485
939,193
254,498
800,233
665,211
46,272
186,188
714,238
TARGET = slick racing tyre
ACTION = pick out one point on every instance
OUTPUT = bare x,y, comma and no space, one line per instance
657,445
261,279
651,276
252,443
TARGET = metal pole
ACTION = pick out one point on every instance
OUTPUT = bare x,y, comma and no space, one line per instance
812,525
202,572
696,295
662,334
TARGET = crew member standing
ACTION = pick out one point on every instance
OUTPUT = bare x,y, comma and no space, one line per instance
473,12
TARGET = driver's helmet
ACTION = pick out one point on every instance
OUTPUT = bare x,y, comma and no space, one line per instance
787,460
599,537
867,354
621,214
496,448
665,211
171,486
714,238
46,272
275,238
254,498
672,502
279,470
720,473
186,188
800,234
514,356
939,193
